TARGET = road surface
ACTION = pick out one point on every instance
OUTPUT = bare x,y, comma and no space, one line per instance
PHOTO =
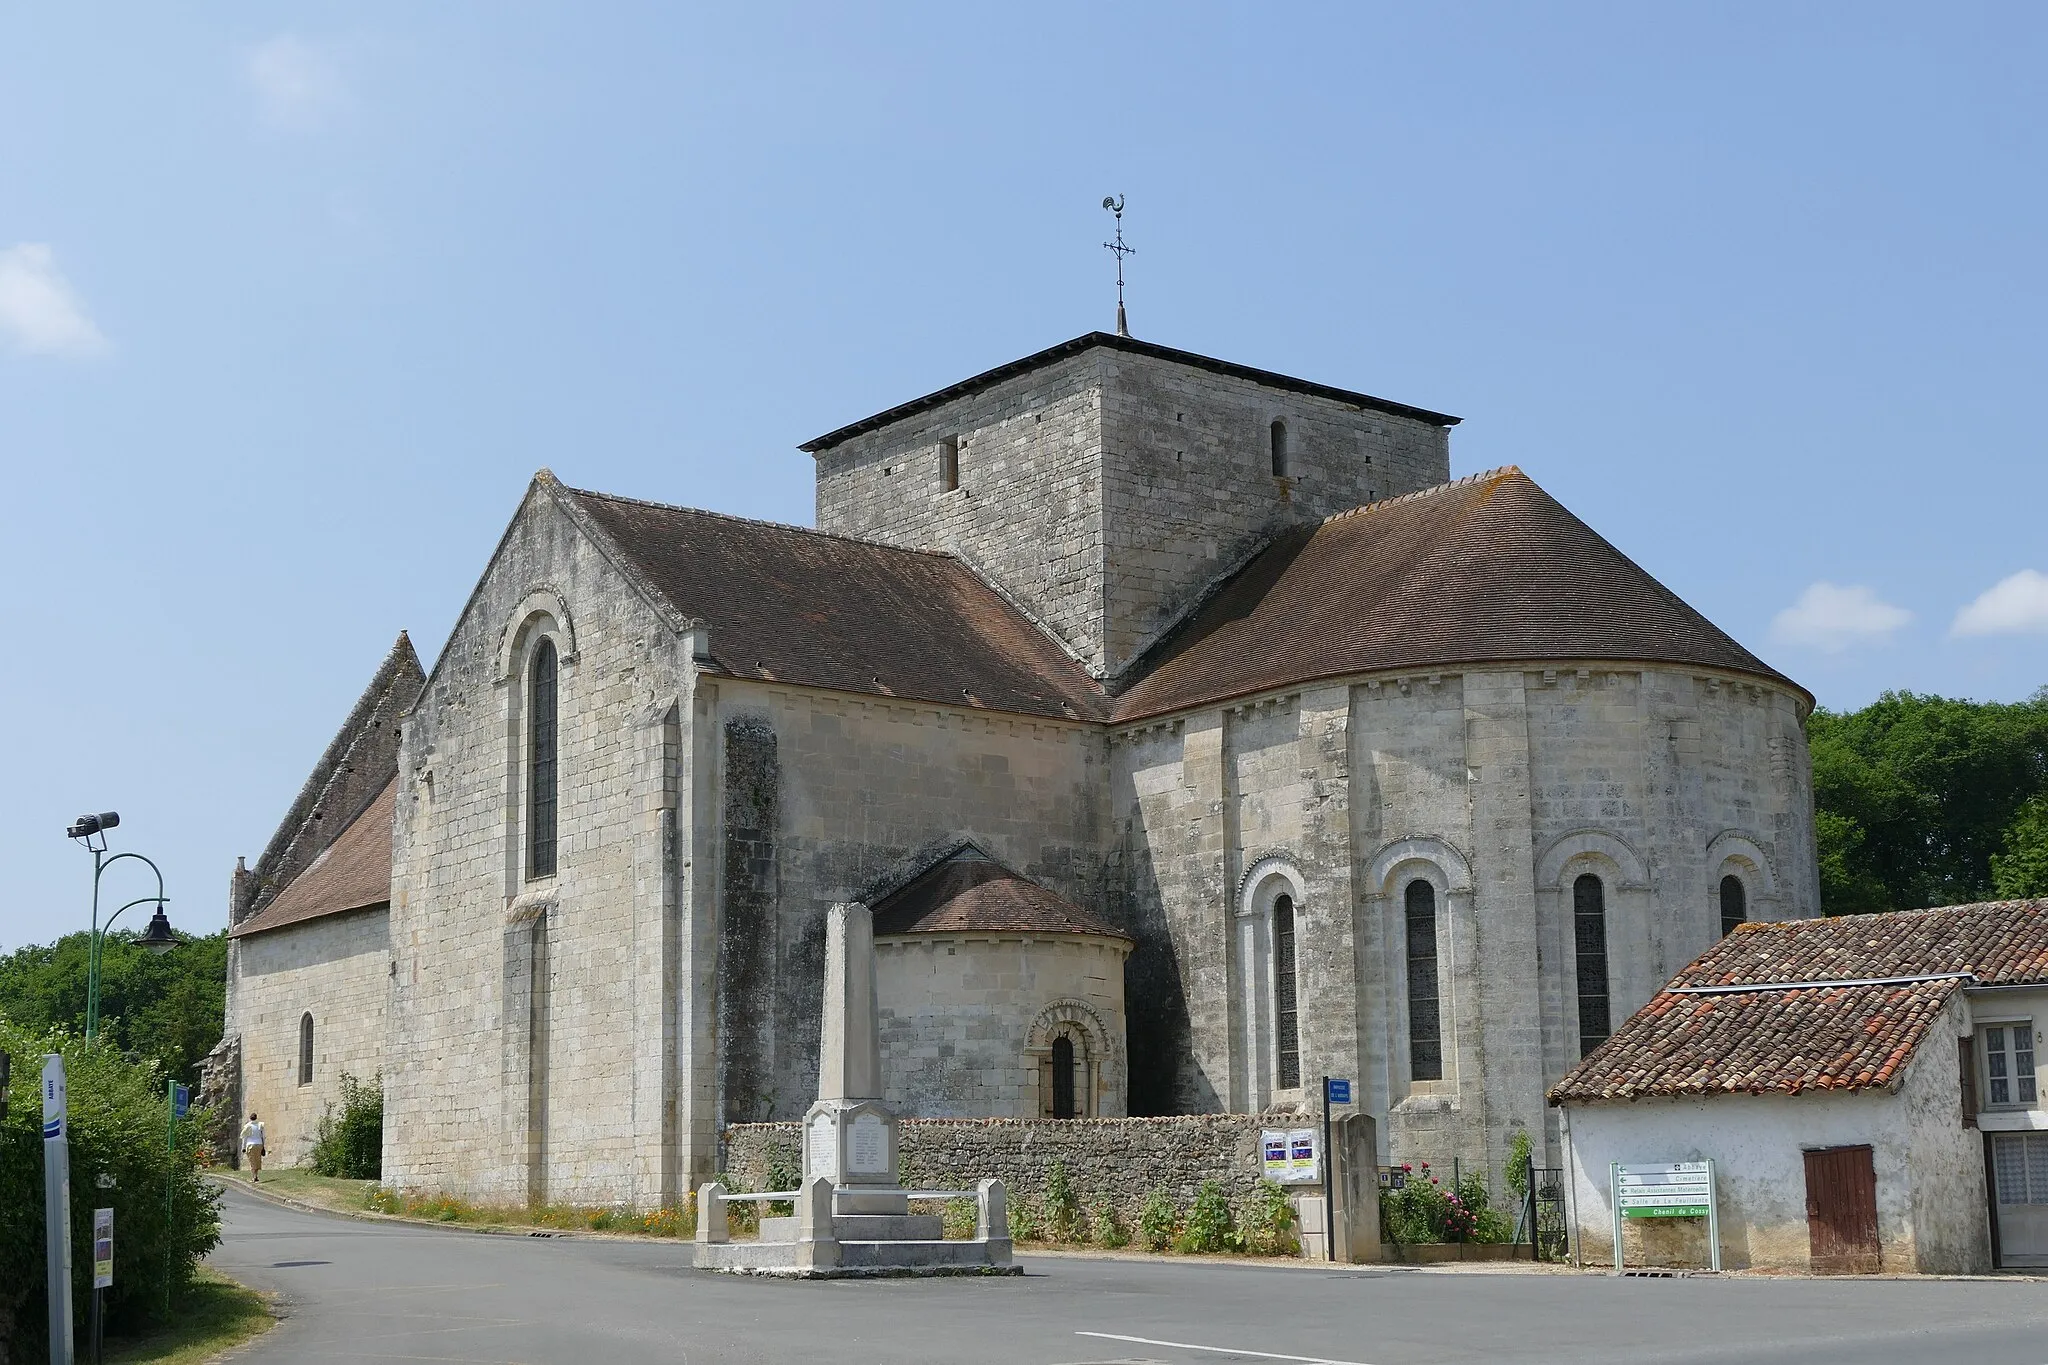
363,1291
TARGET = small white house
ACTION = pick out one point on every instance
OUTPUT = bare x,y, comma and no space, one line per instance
1868,1089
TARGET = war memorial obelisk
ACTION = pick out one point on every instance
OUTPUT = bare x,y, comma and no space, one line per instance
853,1216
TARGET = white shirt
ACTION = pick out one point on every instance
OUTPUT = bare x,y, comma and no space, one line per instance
252,1135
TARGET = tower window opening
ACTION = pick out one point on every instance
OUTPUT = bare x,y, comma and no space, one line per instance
949,464
1734,903
1589,938
1425,1022
1281,469
1063,1078
1286,1019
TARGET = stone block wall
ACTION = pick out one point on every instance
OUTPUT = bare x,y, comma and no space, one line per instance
337,969
861,787
1121,1160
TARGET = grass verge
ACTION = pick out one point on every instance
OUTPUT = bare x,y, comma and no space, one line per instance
328,1192
215,1315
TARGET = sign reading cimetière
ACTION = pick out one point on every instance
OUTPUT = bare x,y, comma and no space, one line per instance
1671,1189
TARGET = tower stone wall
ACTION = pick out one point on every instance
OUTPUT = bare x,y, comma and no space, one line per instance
1105,492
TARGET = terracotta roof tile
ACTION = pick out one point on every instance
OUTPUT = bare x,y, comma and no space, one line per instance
1693,1039
971,893
791,605
1487,569
354,873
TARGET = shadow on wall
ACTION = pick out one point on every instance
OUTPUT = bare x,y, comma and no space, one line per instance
1158,1030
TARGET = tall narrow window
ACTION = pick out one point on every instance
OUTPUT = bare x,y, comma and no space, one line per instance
2009,1064
1425,1036
1279,438
306,1048
1734,904
540,764
1286,1023
1589,936
1063,1078
949,463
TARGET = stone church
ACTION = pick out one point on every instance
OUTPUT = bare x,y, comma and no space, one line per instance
1191,733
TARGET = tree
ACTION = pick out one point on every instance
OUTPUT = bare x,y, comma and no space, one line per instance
1916,795
2022,870
167,1009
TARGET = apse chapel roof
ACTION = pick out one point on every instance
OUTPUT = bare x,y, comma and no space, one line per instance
352,873
1814,1004
970,892
1490,569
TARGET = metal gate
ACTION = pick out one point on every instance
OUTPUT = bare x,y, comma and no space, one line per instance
1542,1222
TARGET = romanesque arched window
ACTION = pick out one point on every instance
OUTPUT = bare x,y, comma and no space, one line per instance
1278,436
1063,1078
1589,938
1425,1025
541,775
306,1048
1286,1020
1734,903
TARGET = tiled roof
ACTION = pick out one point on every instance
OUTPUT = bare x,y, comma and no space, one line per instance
969,893
354,873
785,604
1892,975
1488,569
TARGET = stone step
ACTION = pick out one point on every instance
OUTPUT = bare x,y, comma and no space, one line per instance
930,1253
866,1227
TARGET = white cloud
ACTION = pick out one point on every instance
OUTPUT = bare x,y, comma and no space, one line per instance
2012,606
38,311
1833,618
297,83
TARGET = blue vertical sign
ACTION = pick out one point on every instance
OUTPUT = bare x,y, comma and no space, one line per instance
1340,1091
181,1101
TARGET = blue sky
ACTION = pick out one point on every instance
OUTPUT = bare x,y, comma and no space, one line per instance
294,300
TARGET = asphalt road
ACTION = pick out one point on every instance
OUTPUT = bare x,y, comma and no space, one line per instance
357,1291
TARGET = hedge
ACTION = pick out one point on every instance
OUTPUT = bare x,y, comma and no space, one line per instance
119,1120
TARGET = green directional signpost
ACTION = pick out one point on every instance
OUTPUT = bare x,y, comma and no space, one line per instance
1668,1189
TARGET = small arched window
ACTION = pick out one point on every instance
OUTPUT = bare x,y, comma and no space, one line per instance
1425,1027
306,1048
1734,903
949,464
1589,938
540,762
1286,1020
1063,1078
1279,440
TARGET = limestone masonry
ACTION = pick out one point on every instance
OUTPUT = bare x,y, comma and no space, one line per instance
1190,733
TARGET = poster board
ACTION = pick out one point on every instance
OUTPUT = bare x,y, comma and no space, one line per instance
1291,1156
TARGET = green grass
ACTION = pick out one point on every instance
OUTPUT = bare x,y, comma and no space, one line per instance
296,1182
215,1315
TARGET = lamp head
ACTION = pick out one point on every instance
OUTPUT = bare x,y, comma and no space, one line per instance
158,937
85,826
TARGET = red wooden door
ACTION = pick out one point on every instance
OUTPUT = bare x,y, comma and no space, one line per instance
1841,1211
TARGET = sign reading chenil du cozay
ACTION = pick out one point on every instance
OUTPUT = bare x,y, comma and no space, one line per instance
1671,1189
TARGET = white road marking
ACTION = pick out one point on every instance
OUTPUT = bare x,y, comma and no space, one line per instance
1219,1350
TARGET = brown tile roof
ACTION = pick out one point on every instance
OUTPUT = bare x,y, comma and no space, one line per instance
1693,1039
791,605
969,893
1488,569
354,873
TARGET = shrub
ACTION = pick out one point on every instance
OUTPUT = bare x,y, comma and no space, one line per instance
1517,1173
352,1145
1062,1206
1026,1223
1209,1226
1109,1229
960,1218
782,1177
1269,1222
118,1121
1425,1211
1158,1220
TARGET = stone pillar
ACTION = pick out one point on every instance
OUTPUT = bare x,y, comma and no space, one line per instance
849,1135
817,1248
698,821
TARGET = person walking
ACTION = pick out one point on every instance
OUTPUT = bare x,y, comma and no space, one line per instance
252,1146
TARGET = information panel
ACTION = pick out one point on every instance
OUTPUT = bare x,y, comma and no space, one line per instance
1671,1189
1289,1155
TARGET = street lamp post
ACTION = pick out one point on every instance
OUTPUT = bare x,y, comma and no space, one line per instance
91,832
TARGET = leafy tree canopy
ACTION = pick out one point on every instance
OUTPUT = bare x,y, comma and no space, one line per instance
1930,801
166,1009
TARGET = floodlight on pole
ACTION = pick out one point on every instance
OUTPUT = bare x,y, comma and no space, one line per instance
91,833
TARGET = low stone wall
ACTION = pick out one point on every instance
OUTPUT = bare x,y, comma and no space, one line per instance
1121,1160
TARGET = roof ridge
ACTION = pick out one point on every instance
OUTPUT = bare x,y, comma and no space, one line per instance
756,521
1434,490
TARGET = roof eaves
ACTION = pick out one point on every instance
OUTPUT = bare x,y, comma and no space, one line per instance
1130,346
